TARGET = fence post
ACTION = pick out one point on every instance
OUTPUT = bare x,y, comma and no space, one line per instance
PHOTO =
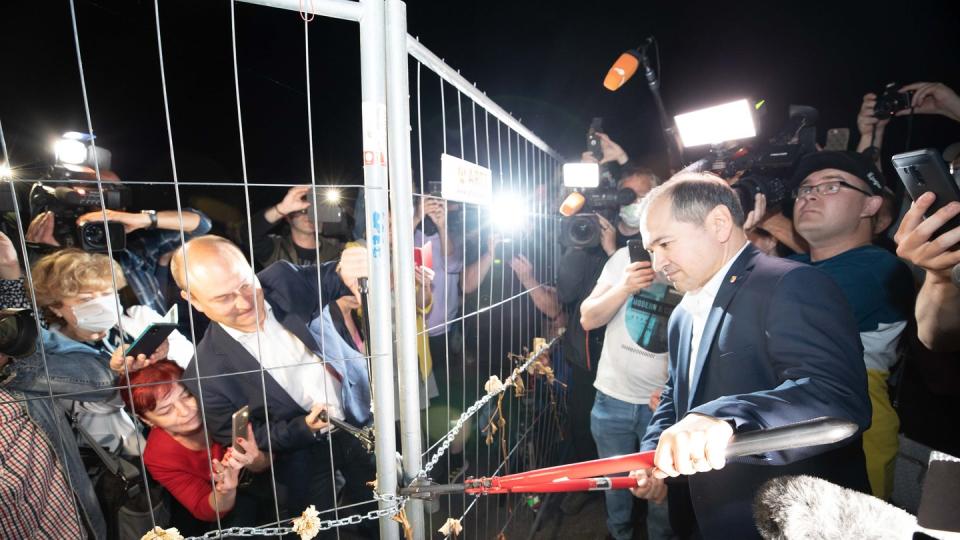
401,197
373,96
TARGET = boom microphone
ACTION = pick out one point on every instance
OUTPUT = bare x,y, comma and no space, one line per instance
802,507
622,70
625,67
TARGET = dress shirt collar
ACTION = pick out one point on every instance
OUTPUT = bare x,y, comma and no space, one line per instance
699,302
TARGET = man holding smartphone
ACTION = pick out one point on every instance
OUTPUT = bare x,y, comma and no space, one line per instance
834,209
635,305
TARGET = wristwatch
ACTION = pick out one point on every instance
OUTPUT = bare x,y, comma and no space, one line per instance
153,218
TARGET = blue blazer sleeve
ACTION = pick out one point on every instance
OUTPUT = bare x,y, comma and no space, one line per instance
814,346
664,417
297,287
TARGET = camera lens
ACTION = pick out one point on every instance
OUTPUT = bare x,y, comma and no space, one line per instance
18,332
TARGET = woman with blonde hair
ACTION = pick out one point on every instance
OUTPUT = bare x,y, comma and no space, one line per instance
77,293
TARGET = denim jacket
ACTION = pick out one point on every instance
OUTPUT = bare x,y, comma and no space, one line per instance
72,368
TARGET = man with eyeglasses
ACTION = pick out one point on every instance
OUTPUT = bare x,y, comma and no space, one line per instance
834,208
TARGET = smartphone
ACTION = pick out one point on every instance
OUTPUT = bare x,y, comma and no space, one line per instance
837,139
423,256
924,170
637,253
239,421
150,339
328,210
435,188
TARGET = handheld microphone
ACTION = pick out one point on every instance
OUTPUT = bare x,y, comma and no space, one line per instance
801,507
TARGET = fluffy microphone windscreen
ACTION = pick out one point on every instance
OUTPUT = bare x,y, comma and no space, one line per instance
621,71
805,507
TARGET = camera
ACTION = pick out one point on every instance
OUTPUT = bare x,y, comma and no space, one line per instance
768,167
593,142
891,100
582,229
18,332
69,203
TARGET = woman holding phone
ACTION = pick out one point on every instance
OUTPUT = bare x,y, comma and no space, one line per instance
77,293
201,474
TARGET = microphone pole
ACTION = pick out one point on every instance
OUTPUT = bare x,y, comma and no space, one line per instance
669,133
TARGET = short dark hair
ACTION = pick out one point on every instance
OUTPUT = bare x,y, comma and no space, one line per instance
694,195
631,169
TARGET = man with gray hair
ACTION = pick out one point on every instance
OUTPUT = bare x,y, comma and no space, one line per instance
756,342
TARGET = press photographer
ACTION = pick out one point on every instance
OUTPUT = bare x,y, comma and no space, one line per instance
71,215
307,238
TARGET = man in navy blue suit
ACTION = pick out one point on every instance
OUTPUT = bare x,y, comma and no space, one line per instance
757,342
270,347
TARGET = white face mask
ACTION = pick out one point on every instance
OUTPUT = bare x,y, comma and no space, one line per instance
97,314
630,214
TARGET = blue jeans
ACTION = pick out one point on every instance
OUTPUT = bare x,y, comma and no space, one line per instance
617,428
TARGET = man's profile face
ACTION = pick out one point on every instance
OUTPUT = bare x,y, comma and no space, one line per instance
224,288
819,217
685,252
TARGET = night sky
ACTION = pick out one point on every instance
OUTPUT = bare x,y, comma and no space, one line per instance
543,61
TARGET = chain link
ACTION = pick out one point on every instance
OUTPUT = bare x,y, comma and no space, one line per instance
462,421
396,502
326,524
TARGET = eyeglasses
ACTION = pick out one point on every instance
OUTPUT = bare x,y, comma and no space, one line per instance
826,188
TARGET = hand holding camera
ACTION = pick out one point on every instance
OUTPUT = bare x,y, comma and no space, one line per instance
9,263
932,98
868,123
130,221
296,199
40,230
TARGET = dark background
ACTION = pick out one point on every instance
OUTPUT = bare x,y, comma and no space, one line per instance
543,61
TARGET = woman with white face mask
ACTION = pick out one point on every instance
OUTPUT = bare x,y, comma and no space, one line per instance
75,291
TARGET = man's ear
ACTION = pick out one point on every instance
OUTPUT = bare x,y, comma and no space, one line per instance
194,303
719,223
871,206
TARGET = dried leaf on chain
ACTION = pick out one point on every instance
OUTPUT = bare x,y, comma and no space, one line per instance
401,518
308,524
162,534
493,385
451,527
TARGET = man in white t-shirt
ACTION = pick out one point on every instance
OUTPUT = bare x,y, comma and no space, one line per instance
635,305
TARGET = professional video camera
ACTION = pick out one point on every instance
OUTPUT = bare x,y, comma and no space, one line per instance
580,227
18,332
69,203
767,166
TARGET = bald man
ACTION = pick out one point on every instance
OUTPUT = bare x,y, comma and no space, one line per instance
269,347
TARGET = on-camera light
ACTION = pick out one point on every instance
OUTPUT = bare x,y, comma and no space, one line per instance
508,212
727,122
70,151
581,175
332,196
6,172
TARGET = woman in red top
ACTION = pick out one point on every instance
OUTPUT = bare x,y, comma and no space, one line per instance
177,449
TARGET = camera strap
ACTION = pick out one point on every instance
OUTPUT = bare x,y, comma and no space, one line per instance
114,464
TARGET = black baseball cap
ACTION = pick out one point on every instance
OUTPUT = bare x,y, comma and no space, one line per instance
854,163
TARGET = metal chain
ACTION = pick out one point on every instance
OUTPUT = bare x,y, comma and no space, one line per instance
326,524
452,434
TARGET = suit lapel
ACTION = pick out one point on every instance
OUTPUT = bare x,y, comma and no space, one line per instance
682,361
728,289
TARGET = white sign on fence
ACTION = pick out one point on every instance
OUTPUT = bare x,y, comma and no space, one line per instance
463,181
